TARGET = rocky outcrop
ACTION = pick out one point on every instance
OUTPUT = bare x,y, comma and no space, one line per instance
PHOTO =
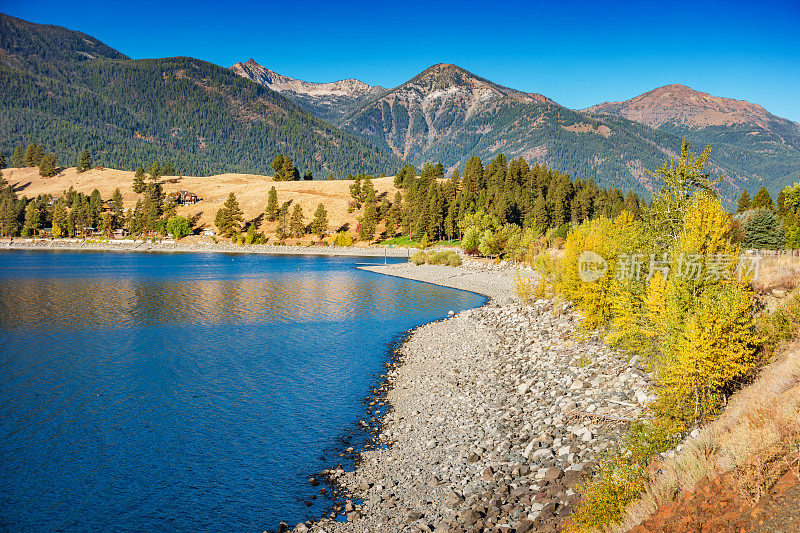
330,101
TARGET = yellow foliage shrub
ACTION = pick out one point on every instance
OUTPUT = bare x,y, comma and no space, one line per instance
607,238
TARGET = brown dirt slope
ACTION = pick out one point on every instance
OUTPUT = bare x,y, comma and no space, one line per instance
250,190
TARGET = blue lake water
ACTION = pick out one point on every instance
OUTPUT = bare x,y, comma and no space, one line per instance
153,392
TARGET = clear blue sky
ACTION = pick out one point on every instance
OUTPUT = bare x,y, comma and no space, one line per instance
578,53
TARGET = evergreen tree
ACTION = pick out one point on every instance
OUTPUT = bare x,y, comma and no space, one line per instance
762,200
282,230
59,219
155,170
168,170
391,224
138,181
229,218
32,225
355,191
2,160
744,202
780,203
272,204
47,166
18,159
366,232
319,226
116,209
277,167
33,155
764,231
84,161
308,176
297,226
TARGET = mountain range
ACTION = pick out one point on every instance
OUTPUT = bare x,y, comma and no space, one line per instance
69,91
447,114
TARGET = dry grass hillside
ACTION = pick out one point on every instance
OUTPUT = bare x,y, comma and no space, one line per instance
250,190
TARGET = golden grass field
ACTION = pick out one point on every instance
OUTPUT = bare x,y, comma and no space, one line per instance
250,190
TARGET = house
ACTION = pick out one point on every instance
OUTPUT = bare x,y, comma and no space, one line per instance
105,207
52,200
208,232
120,233
184,198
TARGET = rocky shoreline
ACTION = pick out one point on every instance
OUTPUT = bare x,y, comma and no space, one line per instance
126,245
489,419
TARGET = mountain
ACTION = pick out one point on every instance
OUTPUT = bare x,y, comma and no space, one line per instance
330,101
746,139
447,114
69,91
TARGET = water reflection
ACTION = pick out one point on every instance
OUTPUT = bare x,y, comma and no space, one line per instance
68,304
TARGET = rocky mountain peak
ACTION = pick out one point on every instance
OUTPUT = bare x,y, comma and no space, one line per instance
679,104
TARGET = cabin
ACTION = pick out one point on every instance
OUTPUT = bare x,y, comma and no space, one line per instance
120,233
46,232
208,232
52,200
184,198
105,207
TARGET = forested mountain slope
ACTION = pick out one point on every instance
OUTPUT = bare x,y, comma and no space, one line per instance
748,141
200,117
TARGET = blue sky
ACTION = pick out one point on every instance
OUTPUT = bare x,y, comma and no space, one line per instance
578,53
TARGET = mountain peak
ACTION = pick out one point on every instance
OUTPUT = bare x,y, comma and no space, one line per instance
680,104
330,100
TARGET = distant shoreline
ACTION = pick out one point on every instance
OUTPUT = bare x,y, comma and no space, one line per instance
141,246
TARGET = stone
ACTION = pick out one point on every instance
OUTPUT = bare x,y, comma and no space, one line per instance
488,474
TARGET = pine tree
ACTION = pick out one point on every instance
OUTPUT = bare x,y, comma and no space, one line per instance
355,190
18,159
138,181
31,226
762,200
116,209
168,170
2,160
59,219
366,232
277,167
308,176
319,226
272,204
744,202
297,227
47,166
391,224
229,218
84,161
155,170
33,155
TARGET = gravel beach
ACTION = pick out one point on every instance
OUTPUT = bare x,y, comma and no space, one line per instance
489,419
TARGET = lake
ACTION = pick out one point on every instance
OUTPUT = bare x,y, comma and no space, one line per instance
152,392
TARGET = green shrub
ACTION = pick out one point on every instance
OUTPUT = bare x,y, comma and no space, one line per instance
605,496
419,258
453,259
438,258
